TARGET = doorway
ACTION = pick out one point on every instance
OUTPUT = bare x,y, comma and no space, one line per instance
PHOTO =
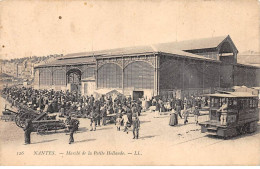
74,79
138,94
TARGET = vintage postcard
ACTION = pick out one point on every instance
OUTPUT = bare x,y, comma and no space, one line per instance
129,83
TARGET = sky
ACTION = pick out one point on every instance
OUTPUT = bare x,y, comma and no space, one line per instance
44,27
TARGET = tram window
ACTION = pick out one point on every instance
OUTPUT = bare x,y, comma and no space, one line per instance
251,103
255,102
222,101
212,102
234,102
246,103
215,102
241,104
230,102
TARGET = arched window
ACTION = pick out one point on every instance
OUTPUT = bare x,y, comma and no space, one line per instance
110,76
59,77
74,76
45,77
139,75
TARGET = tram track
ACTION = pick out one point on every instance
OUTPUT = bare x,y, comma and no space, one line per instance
202,137
188,141
214,143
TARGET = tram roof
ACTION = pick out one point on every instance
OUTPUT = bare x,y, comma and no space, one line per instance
232,94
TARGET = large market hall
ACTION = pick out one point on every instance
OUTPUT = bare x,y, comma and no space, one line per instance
186,67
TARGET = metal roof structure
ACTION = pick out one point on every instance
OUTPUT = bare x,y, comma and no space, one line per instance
171,48
71,61
204,43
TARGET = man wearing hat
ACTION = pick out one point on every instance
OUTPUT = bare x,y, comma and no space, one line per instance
136,126
27,131
71,128
94,117
178,107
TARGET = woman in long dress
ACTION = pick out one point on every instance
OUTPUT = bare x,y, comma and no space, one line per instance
173,118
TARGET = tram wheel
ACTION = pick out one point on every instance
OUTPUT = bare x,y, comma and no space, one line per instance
239,130
226,137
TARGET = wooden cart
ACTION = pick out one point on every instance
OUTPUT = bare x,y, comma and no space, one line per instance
43,126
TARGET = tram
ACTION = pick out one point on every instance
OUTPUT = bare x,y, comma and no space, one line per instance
231,114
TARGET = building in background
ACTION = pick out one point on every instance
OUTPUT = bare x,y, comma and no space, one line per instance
23,68
190,67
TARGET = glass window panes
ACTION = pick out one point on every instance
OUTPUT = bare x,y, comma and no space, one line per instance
109,76
59,77
36,77
139,75
45,77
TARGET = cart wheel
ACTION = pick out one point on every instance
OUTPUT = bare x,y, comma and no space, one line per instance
24,117
17,120
42,130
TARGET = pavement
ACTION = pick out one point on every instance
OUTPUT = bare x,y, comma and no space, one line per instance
158,144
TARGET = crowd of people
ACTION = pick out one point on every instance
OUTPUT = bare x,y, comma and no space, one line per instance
124,109
179,107
67,103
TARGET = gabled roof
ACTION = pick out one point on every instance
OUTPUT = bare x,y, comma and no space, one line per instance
174,48
151,49
178,47
204,43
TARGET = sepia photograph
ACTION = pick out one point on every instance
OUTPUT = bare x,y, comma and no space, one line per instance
130,83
